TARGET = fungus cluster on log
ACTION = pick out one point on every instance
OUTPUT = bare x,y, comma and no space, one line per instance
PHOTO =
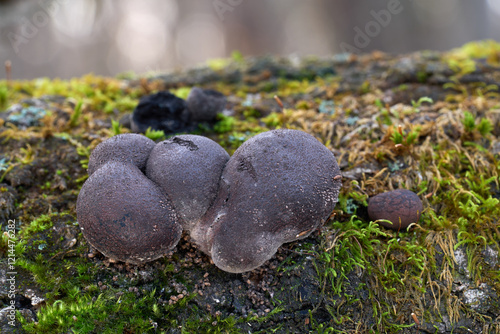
278,187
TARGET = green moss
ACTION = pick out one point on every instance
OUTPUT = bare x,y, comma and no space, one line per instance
91,311
484,127
116,128
4,95
182,92
273,120
422,76
398,137
416,105
469,121
288,87
251,114
218,64
487,49
224,123
74,119
39,224
155,134
237,56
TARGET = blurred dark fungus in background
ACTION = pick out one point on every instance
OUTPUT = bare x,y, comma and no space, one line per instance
62,38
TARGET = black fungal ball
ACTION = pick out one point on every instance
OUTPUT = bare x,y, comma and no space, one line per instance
161,111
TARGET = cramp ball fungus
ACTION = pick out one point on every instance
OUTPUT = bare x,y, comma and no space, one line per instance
128,147
125,215
401,207
188,168
278,187
205,104
160,111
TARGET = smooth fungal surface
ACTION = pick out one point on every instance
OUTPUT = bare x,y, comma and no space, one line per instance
125,215
132,148
395,209
188,168
278,187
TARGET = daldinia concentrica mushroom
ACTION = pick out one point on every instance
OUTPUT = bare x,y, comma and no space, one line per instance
278,187
205,104
129,147
401,207
188,168
125,215
160,111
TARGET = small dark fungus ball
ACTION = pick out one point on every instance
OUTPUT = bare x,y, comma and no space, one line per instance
401,207
160,111
278,187
125,215
128,147
205,104
188,168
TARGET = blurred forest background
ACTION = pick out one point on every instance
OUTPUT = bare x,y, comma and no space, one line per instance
67,38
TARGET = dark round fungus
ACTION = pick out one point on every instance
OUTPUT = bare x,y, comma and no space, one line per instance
188,168
128,147
160,111
401,207
278,187
125,215
205,104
